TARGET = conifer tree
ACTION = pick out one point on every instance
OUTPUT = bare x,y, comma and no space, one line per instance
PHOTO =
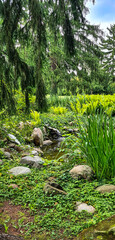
27,20
108,49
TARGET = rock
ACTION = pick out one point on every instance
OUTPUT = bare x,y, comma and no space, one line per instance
37,137
19,171
84,207
34,152
106,188
72,131
51,188
39,151
100,234
13,186
13,139
70,123
112,231
21,125
47,143
81,171
60,139
17,148
2,151
52,133
1,162
106,234
26,147
5,236
35,161
7,155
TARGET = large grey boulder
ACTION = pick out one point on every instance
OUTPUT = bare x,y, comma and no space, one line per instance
13,139
106,188
37,137
35,161
19,171
81,171
84,207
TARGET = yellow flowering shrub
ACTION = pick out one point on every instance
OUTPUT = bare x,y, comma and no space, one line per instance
36,117
58,110
88,104
20,100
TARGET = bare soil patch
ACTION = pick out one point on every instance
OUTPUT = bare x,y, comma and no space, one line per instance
13,218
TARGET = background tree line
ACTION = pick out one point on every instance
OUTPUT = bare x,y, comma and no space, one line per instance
48,47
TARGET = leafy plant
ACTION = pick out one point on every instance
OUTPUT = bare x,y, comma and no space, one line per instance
58,110
97,143
36,118
89,104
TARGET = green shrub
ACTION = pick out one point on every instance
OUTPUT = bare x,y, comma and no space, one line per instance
58,110
36,118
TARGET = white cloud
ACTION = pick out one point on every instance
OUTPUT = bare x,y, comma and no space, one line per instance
104,20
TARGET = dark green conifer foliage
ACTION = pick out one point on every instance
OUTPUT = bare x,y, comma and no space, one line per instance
27,20
108,48
11,13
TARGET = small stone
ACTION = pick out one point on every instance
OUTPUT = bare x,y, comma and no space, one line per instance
34,152
21,125
19,171
112,231
13,186
78,203
106,188
35,161
7,155
13,139
70,123
52,188
39,151
47,143
81,171
84,207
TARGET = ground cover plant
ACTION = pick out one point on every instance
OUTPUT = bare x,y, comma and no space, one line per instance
54,216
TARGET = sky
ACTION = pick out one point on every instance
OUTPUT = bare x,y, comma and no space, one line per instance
101,13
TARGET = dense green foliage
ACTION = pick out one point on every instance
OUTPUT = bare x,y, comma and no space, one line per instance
54,216
50,58
108,48
43,45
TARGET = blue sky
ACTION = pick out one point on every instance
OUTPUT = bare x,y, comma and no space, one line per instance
102,13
